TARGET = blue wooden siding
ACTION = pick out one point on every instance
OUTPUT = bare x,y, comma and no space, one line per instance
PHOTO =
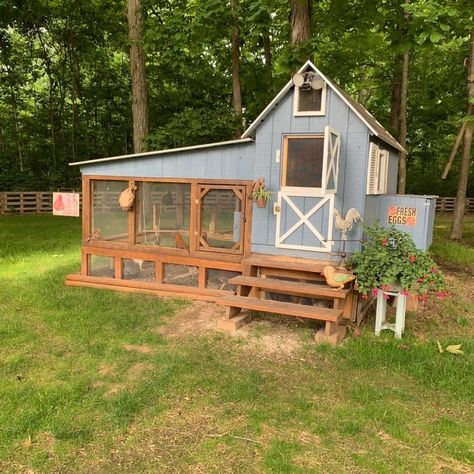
226,162
351,181
252,160
376,210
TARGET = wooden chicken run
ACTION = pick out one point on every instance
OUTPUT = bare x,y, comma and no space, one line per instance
185,222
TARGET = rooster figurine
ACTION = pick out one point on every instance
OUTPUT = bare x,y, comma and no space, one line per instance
344,225
336,279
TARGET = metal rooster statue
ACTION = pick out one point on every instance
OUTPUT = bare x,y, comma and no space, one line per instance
344,225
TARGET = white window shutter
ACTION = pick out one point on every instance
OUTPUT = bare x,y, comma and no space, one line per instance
372,174
383,180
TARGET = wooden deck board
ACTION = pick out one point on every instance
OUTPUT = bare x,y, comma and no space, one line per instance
287,263
290,287
289,309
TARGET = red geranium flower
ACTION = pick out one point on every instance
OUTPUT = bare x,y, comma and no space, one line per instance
412,258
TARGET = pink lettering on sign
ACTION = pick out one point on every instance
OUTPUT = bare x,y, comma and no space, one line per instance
66,204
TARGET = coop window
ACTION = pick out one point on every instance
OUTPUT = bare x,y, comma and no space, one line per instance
221,218
183,275
163,211
138,269
100,266
219,279
310,101
303,161
377,175
108,220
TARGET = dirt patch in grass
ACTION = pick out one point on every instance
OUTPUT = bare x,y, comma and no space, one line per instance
136,371
141,348
267,335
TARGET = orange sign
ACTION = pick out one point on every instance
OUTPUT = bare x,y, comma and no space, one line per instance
402,215
66,204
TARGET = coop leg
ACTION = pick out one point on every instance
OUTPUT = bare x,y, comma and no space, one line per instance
400,316
380,312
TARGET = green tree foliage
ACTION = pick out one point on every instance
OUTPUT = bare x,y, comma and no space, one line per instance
65,78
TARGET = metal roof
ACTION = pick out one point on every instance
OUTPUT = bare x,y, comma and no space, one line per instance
163,152
364,115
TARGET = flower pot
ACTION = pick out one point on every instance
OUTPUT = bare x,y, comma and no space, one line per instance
261,203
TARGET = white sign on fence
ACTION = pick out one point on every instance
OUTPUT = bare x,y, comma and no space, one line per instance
66,204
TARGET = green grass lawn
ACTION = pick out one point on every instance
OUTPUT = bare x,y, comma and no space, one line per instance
91,383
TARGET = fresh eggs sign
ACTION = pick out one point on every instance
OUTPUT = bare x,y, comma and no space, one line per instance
66,204
402,216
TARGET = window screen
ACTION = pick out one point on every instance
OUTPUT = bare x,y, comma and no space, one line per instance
310,100
304,162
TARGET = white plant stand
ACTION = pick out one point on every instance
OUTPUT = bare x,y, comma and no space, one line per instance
381,313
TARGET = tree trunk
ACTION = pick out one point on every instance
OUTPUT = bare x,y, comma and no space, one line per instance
138,74
17,135
49,73
460,205
74,95
300,21
267,52
402,163
396,94
236,90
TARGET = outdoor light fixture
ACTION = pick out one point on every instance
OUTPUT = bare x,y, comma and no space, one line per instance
307,81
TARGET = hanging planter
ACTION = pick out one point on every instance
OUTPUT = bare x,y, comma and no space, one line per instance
261,196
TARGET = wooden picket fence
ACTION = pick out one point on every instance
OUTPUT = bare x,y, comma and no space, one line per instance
31,202
446,204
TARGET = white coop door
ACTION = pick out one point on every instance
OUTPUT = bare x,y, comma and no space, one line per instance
304,222
305,205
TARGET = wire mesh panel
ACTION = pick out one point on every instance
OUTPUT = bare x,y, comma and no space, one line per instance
163,212
109,221
100,266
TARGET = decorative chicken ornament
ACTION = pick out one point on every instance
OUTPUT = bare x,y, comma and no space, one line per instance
344,225
337,279
127,197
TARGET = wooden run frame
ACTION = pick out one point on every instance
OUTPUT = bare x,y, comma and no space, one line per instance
194,256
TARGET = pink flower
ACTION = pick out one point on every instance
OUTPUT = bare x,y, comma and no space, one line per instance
405,293
365,297
386,296
412,258
384,242
434,270
375,292
442,294
420,280
422,298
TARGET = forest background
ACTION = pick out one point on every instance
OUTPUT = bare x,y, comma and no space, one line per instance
66,83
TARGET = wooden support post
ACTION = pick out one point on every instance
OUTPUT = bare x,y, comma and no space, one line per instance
159,272
202,277
332,333
118,268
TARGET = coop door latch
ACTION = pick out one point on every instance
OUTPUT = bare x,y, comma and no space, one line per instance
276,208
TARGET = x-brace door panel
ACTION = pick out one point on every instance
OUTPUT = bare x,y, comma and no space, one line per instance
304,222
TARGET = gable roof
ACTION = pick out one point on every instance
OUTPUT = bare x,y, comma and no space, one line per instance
364,115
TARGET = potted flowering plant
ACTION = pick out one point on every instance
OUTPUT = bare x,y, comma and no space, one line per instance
389,260
261,196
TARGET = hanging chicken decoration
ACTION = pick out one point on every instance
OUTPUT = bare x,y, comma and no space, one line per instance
344,225
127,197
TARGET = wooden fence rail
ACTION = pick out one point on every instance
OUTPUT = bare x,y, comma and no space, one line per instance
30,202
446,204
